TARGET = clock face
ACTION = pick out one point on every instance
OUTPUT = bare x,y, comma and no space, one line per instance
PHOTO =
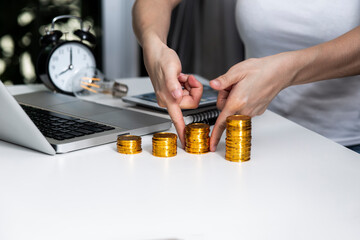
66,61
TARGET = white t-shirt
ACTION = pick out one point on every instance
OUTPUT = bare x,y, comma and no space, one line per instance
330,107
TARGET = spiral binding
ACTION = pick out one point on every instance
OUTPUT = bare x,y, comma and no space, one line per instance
208,117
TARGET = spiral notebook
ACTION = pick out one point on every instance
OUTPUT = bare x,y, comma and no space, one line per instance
201,115
205,113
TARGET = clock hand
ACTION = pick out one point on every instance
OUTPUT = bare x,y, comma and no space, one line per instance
70,56
65,71
70,66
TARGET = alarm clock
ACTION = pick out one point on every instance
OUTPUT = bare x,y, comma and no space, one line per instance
60,60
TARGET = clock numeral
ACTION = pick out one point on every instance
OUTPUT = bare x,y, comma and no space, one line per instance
84,57
61,51
53,67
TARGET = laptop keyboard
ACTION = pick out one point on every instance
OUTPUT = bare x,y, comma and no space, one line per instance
61,127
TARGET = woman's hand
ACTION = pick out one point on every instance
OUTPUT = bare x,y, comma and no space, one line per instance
173,89
248,88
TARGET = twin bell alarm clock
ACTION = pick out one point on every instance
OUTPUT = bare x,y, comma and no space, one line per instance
60,60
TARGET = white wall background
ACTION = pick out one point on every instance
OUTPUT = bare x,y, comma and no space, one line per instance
120,48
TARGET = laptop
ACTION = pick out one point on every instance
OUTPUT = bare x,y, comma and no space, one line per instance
55,123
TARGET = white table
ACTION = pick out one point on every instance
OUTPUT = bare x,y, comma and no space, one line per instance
297,185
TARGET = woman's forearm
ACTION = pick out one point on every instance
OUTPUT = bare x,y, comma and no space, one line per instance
333,59
151,19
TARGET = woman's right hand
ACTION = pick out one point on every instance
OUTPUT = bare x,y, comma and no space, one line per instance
173,89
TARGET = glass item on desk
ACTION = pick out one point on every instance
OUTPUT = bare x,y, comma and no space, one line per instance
119,89
91,81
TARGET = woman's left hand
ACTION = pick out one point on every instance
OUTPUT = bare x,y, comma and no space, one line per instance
249,86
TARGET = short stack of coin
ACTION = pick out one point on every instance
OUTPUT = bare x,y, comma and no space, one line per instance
164,144
129,144
197,138
238,138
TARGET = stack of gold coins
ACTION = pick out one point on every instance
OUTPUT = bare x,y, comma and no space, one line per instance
129,144
164,144
197,138
238,138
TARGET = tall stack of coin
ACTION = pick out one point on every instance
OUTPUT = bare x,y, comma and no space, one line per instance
197,138
164,144
129,144
238,138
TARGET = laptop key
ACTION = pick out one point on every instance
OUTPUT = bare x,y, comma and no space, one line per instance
84,131
107,127
77,134
90,123
53,118
67,136
64,130
94,129
81,121
62,120
58,138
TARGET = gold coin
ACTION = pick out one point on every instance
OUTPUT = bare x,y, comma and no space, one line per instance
197,140
128,138
164,144
238,138
238,119
129,144
162,135
198,126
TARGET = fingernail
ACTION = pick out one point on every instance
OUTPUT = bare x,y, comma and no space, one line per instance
215,83
177,93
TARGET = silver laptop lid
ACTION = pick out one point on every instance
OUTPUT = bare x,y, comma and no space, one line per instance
16,127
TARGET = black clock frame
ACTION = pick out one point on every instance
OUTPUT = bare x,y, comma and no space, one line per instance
42,64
